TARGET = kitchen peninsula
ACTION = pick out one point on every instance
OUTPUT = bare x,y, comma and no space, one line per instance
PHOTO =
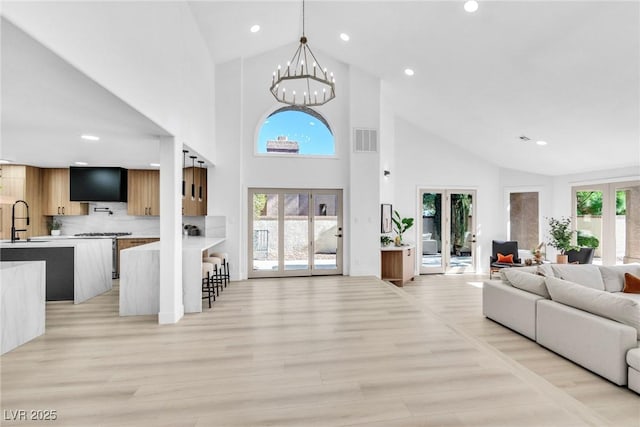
140,276
76,269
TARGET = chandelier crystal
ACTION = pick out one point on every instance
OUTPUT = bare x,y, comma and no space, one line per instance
303,81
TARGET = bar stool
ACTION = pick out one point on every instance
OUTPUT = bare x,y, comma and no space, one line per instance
217,276
207,282
225,265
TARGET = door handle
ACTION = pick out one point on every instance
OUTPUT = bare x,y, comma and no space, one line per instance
63,210
58,210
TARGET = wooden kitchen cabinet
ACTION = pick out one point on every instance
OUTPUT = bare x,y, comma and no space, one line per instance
143,192
19,182
398,264
131,242
197,206
55,194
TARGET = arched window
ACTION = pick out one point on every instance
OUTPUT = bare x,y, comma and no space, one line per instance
296,131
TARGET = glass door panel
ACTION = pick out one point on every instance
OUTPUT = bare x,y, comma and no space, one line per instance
461,233
589,224
327,232
432,232
265,228
296,231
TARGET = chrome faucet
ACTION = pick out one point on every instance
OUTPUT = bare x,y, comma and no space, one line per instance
14,232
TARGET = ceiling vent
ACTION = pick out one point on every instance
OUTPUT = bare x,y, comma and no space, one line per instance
524,138
365,140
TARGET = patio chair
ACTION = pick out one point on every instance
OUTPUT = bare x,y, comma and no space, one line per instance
580,256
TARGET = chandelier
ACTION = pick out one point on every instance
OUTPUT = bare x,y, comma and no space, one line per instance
303,82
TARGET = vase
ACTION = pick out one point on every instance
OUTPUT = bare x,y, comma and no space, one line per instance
398,241
55,232
562,259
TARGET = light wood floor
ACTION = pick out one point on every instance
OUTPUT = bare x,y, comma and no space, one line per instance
331,351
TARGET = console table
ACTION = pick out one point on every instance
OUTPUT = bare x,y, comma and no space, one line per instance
398,264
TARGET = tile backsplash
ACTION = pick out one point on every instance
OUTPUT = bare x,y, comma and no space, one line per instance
103,222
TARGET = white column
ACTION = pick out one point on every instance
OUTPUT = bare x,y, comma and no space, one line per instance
171,306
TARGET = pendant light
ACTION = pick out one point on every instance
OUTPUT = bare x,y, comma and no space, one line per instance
193,177
184,165
200,187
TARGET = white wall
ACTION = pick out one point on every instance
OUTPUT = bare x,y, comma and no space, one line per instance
150,54
244,102
425,160
387,139
364,182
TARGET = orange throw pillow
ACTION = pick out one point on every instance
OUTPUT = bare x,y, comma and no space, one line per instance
631,284
505,259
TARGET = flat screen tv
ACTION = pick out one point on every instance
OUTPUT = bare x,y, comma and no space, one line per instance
97,184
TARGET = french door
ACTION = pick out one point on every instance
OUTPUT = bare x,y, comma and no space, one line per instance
294,232
447,230
607,217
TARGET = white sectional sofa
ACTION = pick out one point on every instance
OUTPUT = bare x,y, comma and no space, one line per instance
577,311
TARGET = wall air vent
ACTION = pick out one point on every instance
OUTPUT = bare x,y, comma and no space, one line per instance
365,140
524,138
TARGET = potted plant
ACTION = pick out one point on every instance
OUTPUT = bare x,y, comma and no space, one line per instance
385,240
561,233
400,225
54,227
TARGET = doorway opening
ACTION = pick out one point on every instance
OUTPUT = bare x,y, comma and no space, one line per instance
448,231
294,232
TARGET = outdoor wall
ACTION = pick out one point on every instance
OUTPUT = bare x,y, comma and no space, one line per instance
425,160
150,54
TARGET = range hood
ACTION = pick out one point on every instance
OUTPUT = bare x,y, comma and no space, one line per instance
97,184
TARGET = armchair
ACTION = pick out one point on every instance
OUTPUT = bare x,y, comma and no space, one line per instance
508,247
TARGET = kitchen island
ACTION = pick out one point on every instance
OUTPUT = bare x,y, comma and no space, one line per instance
76,269
22,286
140,276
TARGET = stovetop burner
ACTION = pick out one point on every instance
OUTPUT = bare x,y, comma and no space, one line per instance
103,234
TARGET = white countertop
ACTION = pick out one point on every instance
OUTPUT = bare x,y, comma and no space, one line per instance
61,243
199,243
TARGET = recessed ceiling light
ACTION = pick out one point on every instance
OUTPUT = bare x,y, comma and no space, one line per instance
541,142
154,165
81,163
471,6
255,28
345,37
409,72
90,137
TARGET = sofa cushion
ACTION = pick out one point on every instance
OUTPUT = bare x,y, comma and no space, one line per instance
613,276
633,297
529,282
631,284
545,270
583,274
601,303
633,358
523,269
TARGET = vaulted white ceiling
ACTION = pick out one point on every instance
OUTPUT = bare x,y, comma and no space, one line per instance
566,72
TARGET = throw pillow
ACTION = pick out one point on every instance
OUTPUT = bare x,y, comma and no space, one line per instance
545,270
505,259
529,282
582,274
631,284
600,303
